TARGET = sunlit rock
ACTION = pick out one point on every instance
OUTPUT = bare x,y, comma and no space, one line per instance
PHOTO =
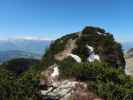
75,57
90,48
93,57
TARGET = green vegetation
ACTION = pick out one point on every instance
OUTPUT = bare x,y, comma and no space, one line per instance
56,47
104,45
22,87
106,78
109,50
19,65
110,83
107,82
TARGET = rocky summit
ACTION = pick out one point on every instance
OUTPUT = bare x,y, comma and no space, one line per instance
91,44
69,61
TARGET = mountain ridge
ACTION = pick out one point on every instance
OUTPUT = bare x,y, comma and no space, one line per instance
90,57
88,65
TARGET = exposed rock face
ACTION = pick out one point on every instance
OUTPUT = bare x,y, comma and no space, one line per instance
69,90
129,62
92,56
90,45
130,53
69,46
64,89
129,66
50,76
75,57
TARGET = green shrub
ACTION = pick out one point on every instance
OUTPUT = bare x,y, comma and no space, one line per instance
106,81
23,87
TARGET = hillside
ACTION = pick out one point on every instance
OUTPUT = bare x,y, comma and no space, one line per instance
89,58
85,65
19,65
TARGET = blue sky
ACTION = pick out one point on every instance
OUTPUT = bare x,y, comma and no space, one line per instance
54,18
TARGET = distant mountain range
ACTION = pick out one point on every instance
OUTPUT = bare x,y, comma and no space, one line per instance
129,53
33,46
22,48
127,45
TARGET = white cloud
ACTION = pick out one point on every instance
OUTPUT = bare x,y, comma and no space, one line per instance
32,38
